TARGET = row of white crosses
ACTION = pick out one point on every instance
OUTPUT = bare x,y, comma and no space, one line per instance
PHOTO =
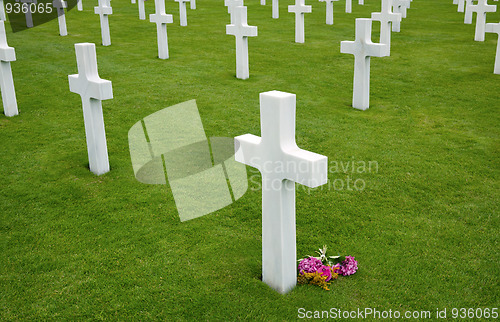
7,54
481,9
182,10
363,49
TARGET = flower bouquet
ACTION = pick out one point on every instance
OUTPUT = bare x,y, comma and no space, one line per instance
322,269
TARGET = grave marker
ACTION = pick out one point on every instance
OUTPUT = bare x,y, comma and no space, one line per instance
79,5
182,12
3,17
362,49
231,4
299,9
481,8
348,6
103,10
275,9
493,28
61,17
92,90
241,31
282,163
192,4
7,54
142,10
161,19
329,11
386,17
28,13
468,12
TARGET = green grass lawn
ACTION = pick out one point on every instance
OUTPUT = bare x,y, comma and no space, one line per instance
425,228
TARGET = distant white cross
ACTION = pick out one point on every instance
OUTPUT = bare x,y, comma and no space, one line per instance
329,11
103,10
61,18
192,4
28,13
468,12
92,90
361,2
493,28
282,164
362,49
231,4
241,31
275,9
79,5
299,9
348,6
7,54
262,2
132,1
142,10
400,6
182,12
386,17
461,6
481,8
161,19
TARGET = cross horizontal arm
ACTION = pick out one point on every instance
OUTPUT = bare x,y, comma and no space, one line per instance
247,150
305,167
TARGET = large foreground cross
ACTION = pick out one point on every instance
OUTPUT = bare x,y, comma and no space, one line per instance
362,49
92,89
282,163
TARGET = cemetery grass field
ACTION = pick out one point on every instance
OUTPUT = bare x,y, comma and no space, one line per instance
424,228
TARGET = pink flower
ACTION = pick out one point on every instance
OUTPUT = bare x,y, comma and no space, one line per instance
349,266
326,271
309,265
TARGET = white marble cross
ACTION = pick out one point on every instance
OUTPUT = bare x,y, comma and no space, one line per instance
7,54
28,13
79,5
262,2
461,6
241,31
2,11
61,18
275,9
362,49
92,90
182,12
348,6
161,19
142,10
299,9
132,1
231,4
493,28
400,6
103,10
361,2
468,12
329,11
386,17
282,164
481,8
192,4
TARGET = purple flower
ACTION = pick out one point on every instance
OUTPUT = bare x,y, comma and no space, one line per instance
309,265
349,266
326,271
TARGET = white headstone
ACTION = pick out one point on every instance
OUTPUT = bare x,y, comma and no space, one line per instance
262,2
493,28
281,163
79,5
161,19
61,18
362,49
386,17
142,10
361,2
299,9
455,1
241,31
276,9
132,1
28,13
3,17
348,6
192,4
481,8
400,6
103,10
182,12
7,54
329,11
92,90
468,12
461,6
231,4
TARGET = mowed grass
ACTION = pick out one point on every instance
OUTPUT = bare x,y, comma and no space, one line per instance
425,228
